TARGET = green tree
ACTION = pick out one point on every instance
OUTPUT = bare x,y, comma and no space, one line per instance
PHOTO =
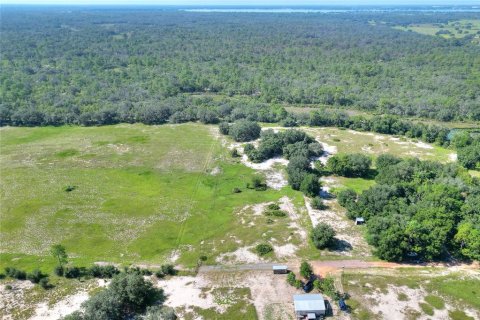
323,236
60,254
310,185
468,239
306,270
244,130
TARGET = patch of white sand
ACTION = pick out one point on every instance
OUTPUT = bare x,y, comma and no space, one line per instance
187,292
287,250
60,309
241,255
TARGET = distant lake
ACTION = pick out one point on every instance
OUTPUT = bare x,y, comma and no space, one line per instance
317,9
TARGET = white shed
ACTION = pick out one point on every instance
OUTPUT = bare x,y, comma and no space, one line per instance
309,305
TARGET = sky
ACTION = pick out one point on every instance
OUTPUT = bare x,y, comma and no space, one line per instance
245,2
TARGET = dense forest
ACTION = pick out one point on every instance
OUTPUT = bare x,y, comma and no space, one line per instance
419,209
98,66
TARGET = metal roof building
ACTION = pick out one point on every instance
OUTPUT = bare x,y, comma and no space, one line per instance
309,305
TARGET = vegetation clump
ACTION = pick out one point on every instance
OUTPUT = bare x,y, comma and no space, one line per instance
323,236
263,249
420,209
127,296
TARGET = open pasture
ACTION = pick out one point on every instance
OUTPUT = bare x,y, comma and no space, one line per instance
374,144
126,193
452,29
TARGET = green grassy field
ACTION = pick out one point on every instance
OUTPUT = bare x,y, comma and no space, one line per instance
139,193
452,29
349,141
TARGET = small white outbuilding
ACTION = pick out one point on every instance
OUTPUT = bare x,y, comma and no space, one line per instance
310,306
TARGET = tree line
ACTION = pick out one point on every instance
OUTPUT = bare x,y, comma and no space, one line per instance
76,67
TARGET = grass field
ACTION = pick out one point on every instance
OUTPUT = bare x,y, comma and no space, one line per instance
349,141
139,193
452,29
149,194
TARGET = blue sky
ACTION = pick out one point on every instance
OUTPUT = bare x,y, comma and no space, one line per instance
248,2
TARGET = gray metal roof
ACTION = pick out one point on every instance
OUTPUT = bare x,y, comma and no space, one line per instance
279,267
309,302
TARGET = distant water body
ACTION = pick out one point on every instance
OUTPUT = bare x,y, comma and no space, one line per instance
336,10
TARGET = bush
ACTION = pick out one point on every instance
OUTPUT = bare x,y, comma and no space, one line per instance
35,276
224,127
169,269
15,273
310,185
317,203
236,190
244,130
306,270
263,249
70,188
291,279
298,284
258,183
273,206
160,313
44,283
59,271
107,271
72,272
323,236
234,153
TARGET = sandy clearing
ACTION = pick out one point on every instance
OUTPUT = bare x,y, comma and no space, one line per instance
241,255
60,309
287,250
187,292
11,299
388,306
268,291
287,206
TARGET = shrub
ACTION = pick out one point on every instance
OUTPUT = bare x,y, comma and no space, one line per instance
298,284
244,130
35,276
160,313
70,188
327,286
43,282
323,236
275,213
72,272
224,127
317,203
107,271
236,190
310,185
273,206
168,269
291,279
306,270
15,273
258,183
263,249
203,258
59,271
234,153
8,287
